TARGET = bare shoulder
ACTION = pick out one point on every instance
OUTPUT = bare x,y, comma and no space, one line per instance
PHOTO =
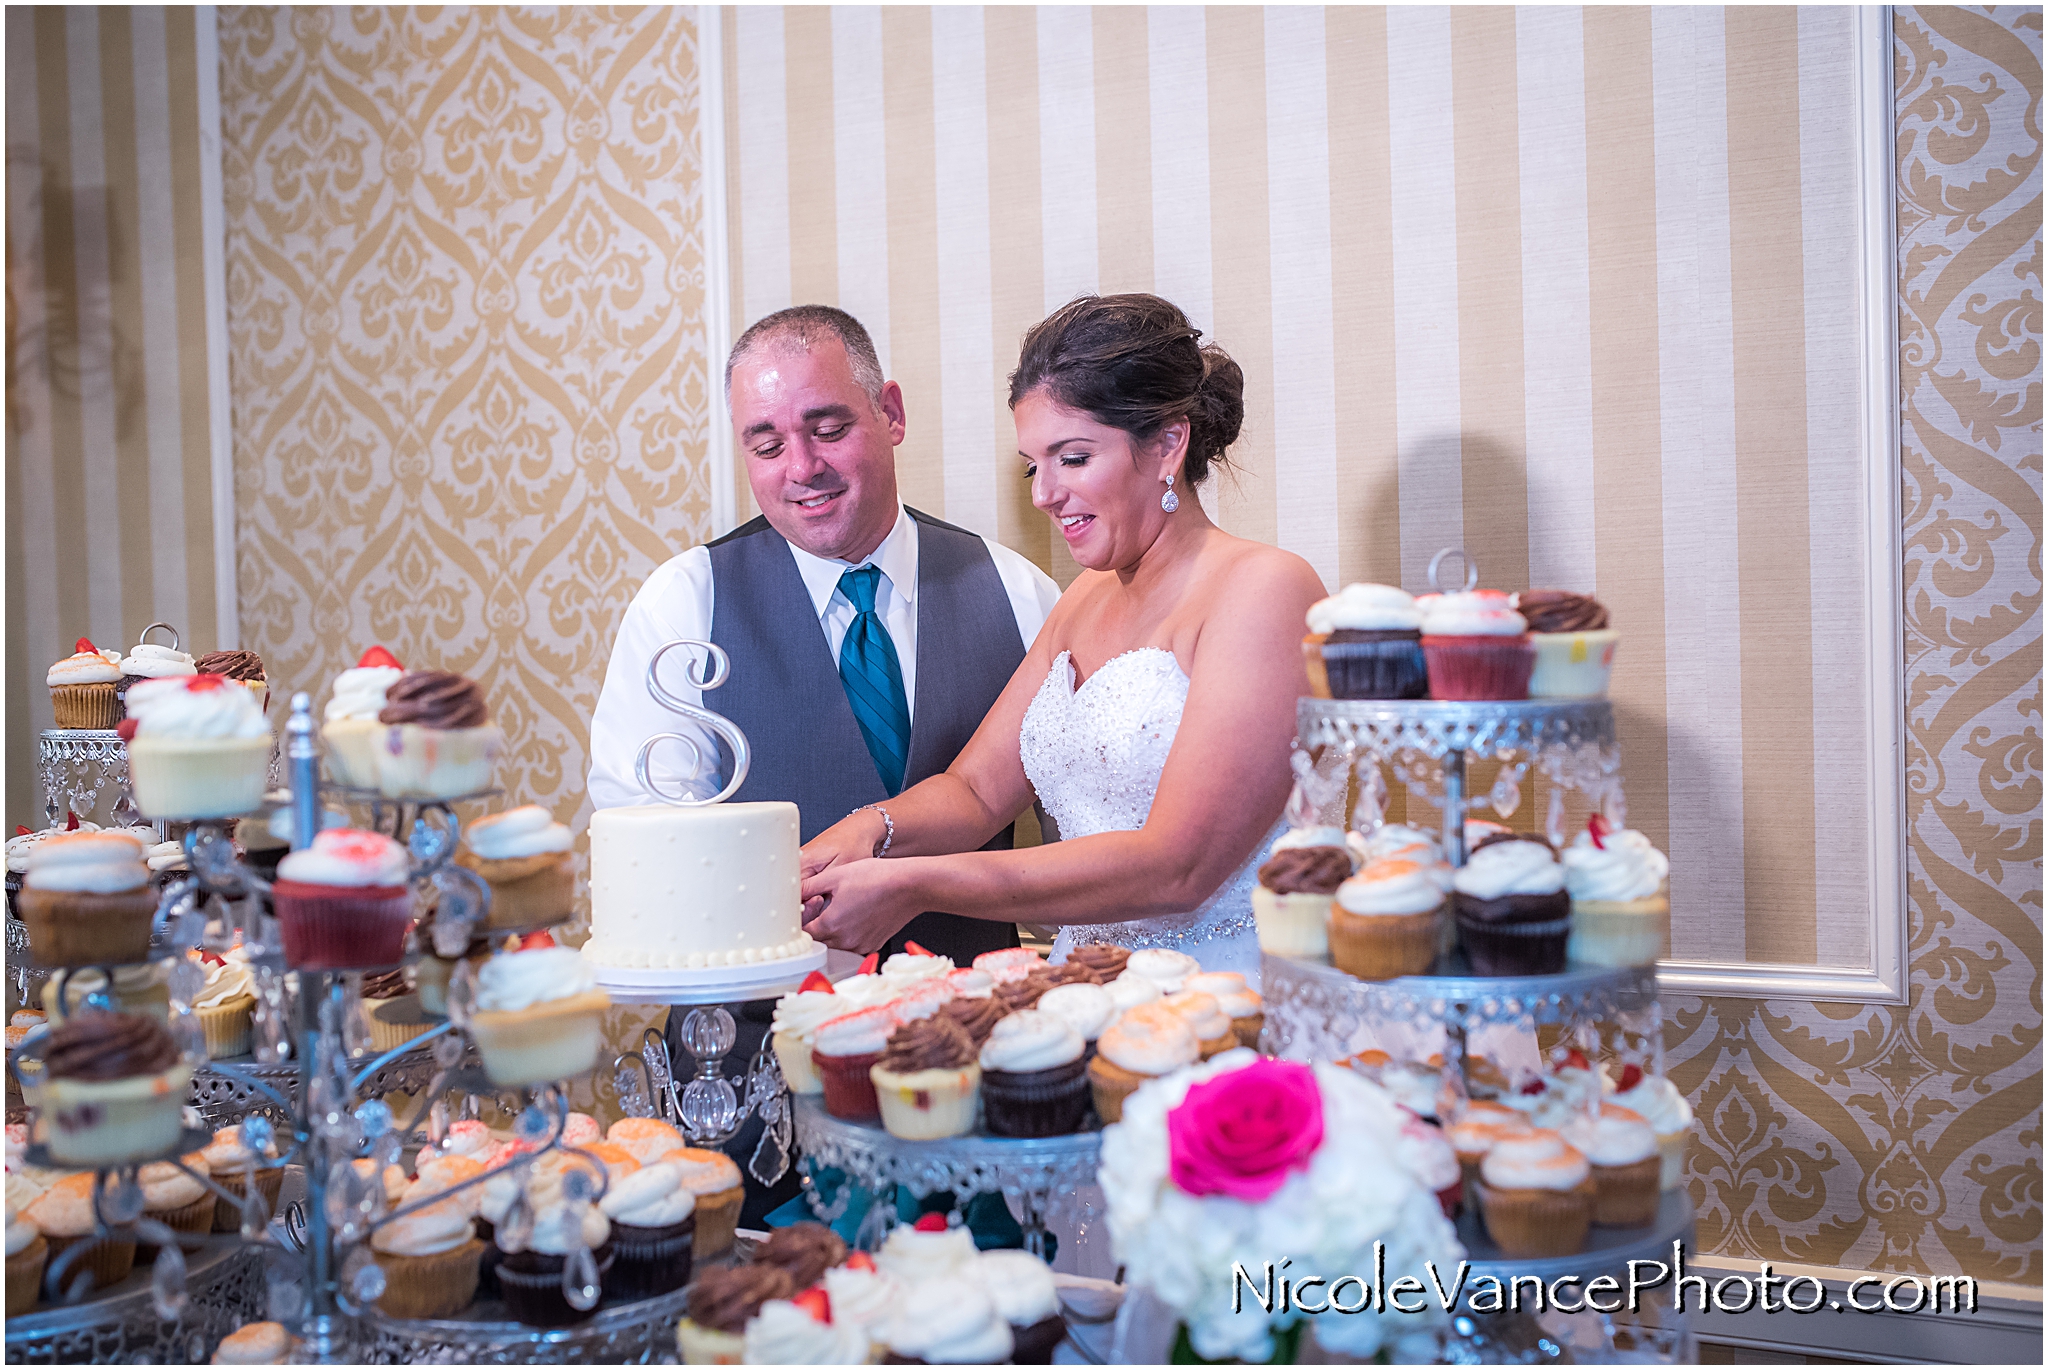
1247,572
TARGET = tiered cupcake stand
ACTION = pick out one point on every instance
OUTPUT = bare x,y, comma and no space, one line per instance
1317,1012
312,1267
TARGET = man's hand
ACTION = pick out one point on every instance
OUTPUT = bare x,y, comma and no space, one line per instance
858,905
852,838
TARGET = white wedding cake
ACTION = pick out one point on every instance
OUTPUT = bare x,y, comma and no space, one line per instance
701,889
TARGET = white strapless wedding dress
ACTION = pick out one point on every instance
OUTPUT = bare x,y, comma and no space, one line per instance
1094,755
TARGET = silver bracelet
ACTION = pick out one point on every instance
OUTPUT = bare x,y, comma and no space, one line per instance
888,828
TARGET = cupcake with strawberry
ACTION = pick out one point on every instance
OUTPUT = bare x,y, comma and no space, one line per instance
198,747
798,1016
351,731
437,740
539,1014
345,902
82,687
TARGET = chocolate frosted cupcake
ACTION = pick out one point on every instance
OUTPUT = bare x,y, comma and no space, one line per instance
439,741
241,666
1365,642
1025,993
1034,1077
925,1080
1513,914
1574,646
1291,903
976,1017
654,1226
720,1305
805,1250
113,1089
1104,959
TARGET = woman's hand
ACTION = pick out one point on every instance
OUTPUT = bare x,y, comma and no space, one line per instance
853,838
858,905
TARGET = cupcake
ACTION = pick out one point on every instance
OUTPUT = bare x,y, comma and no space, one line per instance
1478,1128
166,862
430,1260
863,1295
1025,993
925,1080
1365,642
438,739
798,1016
1621,915
720,1304
1105,961
82,688
646,1140
842,1052
244,668
1009,963
1206,1019
113,1089
908,967
653,1223
1034,1074
977,1017
539,1016
806,1331
256,1343
344,903
176,1197
226,1005
805,1250
351,732
1243,1004
969,983
1655,1100
63,1213
1085,1008
523,855
26,1252
234,1166
1291,903
1021,1287
530,1281
1129,991
148,661
1476,647
1145,1043
1424,1152
1514,916
143,989
928,1249
1386,921
950,1321
715,1181
1574,646
1536,1194
392,1009
1622,1149
86,898
1167,969
198,747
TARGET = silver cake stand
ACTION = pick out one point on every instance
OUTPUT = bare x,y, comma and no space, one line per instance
224,1288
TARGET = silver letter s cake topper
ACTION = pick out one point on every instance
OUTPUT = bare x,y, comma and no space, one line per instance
716,667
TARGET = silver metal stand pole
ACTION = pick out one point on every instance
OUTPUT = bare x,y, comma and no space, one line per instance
1454,808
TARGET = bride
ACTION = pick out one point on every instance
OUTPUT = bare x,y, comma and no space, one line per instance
1153,715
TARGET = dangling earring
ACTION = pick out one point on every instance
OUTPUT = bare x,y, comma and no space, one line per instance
1169,501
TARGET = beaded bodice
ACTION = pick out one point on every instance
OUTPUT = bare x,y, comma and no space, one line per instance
1094,754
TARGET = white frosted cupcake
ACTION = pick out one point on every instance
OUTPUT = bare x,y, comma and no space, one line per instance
1167,969
1657,1101
198,747
950,1321
1621,915
798,1016
1387,921
351,730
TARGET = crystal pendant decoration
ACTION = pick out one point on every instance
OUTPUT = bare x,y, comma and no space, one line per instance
362,1277
184,982
448,1051
1553,823
580,1281
167,1283
255,1213
124,813
654,1052
375,1117
633,1101
767,1096
354,1023
461,991
1506,795
437,1118
190,1037
579,1184
287,1294
1369,814
515,1229
1300,812
462,905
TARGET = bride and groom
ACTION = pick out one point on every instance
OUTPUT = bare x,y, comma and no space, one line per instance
1148,710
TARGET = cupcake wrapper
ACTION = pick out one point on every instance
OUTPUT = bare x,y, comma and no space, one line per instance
1036,1103
926,1105
195,1217
542,899
1671,1149
25,1277
1530,1223
1572,665
533,1294
417,762
227,1027
1392,668
85,706
1479,667
1636,932
1515,948
717,1218
647,1261
795,1059
1249,1031
1111,1085
198,778
1292,924
1627,1195
328,928
487,1267
1034,1344
77,928
436,1286
708,1345
392,1022
1383,946
107,1262
227,1217
849,1093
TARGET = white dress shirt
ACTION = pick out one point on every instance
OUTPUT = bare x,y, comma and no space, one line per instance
676,602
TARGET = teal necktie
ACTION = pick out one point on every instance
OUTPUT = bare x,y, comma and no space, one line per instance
874,680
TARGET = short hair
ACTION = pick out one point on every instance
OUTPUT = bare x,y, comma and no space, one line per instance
799,328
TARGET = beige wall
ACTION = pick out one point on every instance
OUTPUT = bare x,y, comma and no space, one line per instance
111,484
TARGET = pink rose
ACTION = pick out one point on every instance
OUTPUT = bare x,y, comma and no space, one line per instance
1243,1132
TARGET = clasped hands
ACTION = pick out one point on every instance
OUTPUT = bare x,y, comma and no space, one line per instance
853,902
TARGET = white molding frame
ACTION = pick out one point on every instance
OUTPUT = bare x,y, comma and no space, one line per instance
213,219
1883,980
717,264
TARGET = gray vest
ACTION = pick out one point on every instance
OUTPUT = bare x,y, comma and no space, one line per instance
785,694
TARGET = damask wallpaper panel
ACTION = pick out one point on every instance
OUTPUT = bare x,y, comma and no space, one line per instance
111,499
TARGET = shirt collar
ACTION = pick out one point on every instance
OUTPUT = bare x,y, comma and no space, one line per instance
896,558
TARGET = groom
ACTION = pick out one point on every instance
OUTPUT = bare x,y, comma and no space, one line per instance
867,640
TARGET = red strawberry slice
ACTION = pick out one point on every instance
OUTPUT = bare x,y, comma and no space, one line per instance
21,830
1631,1076
931,1222
199,684
815,983
126,727
861,1260
534,941
1596,828
85,647
377,656
70,821
1534,1087
1575,1057
915,950
814,1302
212,958
870,962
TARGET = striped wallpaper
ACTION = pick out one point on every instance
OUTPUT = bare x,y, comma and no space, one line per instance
1577,289
119,497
